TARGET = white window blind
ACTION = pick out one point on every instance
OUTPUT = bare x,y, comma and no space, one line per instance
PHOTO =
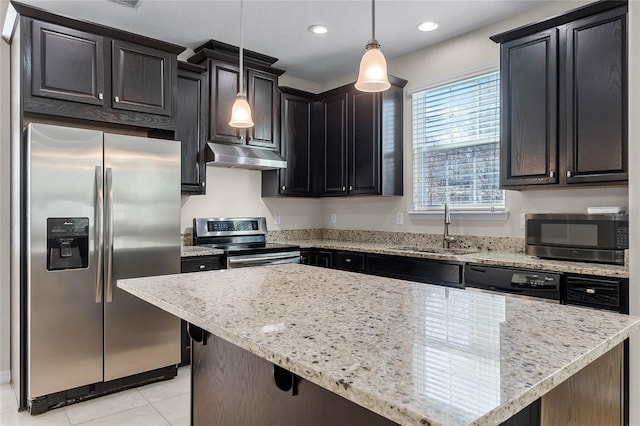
456,152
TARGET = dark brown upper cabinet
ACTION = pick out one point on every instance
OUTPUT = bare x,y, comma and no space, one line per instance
142,78
191,118
362,149
263,97
299,113
223,87
334,168
529,97
364,143
67,64
564,100
595,113
260,81
81,70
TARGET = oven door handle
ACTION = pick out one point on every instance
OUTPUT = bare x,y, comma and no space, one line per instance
263,260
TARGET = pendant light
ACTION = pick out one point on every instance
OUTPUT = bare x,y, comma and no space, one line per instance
241,111
373,67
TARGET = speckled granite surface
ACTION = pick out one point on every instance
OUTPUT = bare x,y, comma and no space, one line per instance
516,260
414,353
194,251
499,251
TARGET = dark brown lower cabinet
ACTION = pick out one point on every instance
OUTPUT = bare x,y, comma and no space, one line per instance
231,386
315,257
416,269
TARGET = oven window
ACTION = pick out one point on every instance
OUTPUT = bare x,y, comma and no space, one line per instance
571,234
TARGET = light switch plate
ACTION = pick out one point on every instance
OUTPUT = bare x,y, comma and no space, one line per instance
277,219
333,218
399,218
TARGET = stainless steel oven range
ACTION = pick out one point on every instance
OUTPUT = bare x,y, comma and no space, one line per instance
244,241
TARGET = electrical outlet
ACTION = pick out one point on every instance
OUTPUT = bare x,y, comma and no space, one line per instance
522,220
277,219
333,218
399,218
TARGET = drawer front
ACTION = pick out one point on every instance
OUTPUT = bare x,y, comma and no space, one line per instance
201,263
598,293
416,269
349,261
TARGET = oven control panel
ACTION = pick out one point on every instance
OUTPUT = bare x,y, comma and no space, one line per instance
232,225
207,228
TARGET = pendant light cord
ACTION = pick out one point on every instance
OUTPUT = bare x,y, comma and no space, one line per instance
373,19
241,45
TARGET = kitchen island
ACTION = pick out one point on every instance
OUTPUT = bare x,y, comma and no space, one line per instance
410,353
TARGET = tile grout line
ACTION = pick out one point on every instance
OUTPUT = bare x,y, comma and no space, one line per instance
161,415
106,415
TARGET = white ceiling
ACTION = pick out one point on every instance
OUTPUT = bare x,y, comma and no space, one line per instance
279,28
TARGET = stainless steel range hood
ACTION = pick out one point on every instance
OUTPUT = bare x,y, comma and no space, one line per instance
220,155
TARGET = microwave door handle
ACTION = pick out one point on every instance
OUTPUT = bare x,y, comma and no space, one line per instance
109,234
99,234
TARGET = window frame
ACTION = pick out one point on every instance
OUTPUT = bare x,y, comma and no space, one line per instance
495,212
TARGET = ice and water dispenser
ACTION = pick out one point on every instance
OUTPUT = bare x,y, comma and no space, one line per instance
67,243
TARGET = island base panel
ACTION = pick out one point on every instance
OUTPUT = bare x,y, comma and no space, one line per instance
591,397
231,386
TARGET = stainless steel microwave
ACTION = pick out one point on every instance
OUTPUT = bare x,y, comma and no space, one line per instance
581,237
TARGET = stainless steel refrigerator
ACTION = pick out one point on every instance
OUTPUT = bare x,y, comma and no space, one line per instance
98,207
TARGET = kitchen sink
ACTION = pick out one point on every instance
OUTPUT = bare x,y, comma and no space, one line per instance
436,250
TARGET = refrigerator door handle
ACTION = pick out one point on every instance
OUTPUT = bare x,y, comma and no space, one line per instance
99,234
109,234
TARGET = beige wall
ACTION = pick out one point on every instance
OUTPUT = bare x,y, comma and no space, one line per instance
453,57
4,203
236,192
457,56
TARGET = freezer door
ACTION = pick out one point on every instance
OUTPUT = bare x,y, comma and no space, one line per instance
64,306
142,238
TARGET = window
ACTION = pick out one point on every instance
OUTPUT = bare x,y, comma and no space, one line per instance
456,145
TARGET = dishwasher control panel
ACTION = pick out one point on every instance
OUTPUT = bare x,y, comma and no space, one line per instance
534,280
523,282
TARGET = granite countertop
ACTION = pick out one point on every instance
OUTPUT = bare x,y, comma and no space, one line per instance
414,353
195,251
518,260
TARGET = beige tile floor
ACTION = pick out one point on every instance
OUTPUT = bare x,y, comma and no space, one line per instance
164,403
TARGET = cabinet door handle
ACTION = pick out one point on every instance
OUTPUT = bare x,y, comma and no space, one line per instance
284,187
569,173
100,96
591,291
116,99
348,260
202,183
202,266
344,189
350,187
552,174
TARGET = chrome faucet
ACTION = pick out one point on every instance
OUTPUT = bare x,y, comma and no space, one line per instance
446,238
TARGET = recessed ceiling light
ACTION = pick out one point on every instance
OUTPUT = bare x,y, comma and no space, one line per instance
318,29
427,26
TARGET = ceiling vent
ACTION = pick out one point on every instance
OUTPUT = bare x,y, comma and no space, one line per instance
130,3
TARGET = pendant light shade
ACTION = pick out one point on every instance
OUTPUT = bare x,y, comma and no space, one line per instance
373,71
241,111
373,67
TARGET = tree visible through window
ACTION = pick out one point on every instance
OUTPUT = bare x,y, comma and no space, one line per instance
456,152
